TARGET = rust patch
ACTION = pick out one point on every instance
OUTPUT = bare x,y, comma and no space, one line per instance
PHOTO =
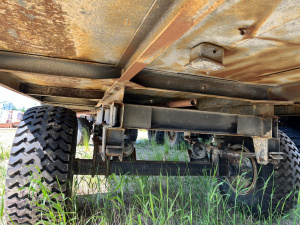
69,82
102,29
35,27
247,32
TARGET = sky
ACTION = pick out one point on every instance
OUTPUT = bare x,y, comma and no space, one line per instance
17,99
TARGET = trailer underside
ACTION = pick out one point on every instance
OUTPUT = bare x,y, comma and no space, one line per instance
227,70
131,62
88,50
128,63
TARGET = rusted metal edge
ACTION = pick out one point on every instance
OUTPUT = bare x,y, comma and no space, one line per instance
9,81
155,12
19,62
39,90
66,100
76,108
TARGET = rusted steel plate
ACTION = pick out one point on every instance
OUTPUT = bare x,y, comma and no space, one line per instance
90,30
260,38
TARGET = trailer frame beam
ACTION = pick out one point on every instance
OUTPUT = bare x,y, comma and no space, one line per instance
144,168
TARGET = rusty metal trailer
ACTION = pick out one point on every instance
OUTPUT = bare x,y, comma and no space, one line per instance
205,68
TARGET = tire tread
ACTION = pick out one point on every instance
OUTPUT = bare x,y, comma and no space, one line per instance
46,139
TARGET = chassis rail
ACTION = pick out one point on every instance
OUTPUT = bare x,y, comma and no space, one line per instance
145,168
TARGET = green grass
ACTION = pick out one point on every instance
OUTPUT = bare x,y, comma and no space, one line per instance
4,156
143,200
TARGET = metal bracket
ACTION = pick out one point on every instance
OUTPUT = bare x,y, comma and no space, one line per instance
261,149
254,126
111,115
206,57
112,142
114,93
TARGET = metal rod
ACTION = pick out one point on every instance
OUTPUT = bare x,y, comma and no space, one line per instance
182,103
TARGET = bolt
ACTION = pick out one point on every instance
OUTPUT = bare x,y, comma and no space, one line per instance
242,31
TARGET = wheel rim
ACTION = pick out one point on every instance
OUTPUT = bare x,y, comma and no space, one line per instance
244,181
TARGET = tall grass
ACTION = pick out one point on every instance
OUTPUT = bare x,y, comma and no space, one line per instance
143,199
152,200
4,156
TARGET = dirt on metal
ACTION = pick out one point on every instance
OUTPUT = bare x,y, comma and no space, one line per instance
35,27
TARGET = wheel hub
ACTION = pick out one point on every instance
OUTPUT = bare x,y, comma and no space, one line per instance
244,172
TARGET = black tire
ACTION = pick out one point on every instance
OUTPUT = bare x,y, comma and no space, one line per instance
276,186
132,134
157,136
173,138
287,175
45,139
84,131
293,134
